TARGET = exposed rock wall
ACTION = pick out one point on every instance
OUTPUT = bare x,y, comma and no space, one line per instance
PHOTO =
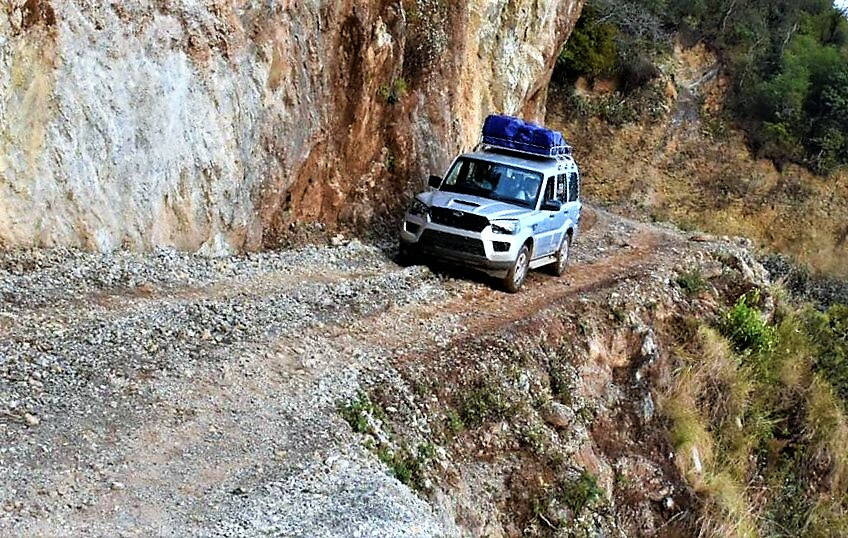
184,123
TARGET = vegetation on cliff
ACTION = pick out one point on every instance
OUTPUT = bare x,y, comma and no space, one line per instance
757,415
786,60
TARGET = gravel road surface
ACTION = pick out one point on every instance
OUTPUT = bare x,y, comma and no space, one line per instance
169,394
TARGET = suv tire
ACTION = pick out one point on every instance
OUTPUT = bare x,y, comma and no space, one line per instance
408,256
558,267
516,276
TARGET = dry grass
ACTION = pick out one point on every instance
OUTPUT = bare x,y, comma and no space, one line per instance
793,354
705,406
716,186
828,519
827,429
729,415
692,442
727,511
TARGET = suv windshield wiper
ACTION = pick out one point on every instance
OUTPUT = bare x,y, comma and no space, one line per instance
504,199
484,193
463,189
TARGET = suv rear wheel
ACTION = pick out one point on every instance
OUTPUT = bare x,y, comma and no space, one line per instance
518,274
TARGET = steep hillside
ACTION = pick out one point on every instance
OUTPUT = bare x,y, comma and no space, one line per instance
185,123
667,151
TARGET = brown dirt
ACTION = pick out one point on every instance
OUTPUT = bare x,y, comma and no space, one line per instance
37,12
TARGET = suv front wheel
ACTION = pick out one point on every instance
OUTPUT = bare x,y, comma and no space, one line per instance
558,267
518,273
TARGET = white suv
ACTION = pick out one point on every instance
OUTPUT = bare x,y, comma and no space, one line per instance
500,211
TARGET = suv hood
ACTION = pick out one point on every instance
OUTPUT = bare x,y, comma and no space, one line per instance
491,209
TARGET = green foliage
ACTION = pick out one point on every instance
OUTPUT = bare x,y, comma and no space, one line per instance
692,282
577,494
776,141
391,162
788,512
407,465
788,60
744,325
394,92
454,422
487,402
829,331
533,437
591,49
359,411
762,405
562,383
581,492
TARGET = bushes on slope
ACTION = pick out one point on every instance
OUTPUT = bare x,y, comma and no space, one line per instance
787,59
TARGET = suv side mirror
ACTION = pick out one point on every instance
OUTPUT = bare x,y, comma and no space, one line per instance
552,205
434,182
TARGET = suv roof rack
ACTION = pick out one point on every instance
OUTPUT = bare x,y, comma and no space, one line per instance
558,153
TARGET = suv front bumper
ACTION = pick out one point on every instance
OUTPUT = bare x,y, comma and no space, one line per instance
487,251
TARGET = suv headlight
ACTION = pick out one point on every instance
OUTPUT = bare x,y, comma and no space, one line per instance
419,209
508,227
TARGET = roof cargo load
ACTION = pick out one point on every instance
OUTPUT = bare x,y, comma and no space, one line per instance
516,134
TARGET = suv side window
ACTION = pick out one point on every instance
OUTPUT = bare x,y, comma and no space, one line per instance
573,187
562,188
550,189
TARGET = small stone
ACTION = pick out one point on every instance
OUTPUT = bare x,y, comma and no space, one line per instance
702,238
559,415
31,420
648,408
117,486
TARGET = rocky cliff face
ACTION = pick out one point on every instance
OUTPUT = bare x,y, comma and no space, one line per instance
190,124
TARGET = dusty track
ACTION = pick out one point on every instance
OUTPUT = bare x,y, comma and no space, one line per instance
197,430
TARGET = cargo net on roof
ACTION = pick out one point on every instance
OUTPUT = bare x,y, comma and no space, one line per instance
516,134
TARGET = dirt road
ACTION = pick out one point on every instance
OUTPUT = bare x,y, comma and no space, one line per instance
173,395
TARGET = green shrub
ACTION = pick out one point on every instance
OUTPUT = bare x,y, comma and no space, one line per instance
357,412
778,143
788,512
581,492
408,466
692,282
788,62
533,437
592,49
562,383
394,92
769,418
487,402
829,331
391,162
454,422
746,329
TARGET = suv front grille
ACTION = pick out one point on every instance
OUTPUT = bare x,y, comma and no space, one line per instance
458,219
452,242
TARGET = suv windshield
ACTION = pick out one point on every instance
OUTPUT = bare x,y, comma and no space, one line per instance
493,180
